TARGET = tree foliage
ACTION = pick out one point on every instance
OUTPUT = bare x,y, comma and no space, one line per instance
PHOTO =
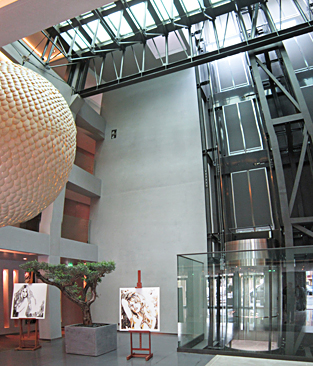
77,282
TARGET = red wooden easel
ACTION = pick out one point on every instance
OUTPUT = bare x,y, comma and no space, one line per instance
141,349
22,345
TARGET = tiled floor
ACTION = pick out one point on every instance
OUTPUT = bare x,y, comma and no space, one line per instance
163,348
53,354
246,361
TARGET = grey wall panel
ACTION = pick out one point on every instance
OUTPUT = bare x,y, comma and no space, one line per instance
152,202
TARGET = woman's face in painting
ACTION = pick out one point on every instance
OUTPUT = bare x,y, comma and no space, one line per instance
135,305
24,293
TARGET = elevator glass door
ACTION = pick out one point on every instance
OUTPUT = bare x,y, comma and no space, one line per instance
256,307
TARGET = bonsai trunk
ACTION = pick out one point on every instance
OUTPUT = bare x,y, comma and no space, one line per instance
86,314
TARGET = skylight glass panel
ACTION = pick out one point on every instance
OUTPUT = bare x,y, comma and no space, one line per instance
166,9
102,35
191,6
137,12
125,28
114,20
79,43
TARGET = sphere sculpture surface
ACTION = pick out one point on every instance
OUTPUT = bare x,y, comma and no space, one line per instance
37,143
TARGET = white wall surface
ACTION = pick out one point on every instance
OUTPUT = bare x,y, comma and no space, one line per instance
152,196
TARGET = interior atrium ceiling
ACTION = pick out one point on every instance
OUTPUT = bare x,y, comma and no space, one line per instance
129,41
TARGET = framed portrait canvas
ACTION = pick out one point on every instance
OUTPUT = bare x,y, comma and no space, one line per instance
29,301
140,308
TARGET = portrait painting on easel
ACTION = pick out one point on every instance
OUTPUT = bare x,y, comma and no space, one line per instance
29,301
140,309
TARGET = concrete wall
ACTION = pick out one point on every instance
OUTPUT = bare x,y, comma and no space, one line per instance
152,196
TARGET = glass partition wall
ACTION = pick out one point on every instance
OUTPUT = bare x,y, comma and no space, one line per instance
251,302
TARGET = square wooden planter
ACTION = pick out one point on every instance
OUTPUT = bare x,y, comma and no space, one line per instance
90,341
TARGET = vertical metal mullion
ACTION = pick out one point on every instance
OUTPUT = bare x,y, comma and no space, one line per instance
101,69
119,25
83,71
183,46
114,65
122,64
269,18
299,170
51,49
143,57
280,13
251,200
95,71
190,44
310,159
302,13
145,15
216,35
226,25
233,199
254,20
95,35
166,49
45,49
135,57
242,25
157,51
241,129
69,54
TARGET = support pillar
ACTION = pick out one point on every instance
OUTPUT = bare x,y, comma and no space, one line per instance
51,223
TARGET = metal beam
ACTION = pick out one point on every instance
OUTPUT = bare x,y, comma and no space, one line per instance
287,119
304,230
301,220
269,40
281,184
299,171
278,83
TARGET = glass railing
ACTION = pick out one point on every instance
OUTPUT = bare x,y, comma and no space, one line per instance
252,302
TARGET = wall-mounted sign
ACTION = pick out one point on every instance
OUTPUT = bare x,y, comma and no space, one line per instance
140,308
29,301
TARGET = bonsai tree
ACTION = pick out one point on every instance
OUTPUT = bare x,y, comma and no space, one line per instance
67,279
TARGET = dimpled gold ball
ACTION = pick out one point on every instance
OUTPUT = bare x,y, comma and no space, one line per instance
37,143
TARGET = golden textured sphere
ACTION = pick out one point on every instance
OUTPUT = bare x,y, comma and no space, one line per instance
37,143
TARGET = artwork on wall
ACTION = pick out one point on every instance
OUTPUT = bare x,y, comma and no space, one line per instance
140,308
29,301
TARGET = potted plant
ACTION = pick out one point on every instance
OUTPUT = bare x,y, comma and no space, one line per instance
87,338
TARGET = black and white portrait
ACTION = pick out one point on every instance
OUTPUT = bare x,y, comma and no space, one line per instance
29,301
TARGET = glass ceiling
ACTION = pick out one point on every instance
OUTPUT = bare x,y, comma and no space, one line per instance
176,32
120,20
